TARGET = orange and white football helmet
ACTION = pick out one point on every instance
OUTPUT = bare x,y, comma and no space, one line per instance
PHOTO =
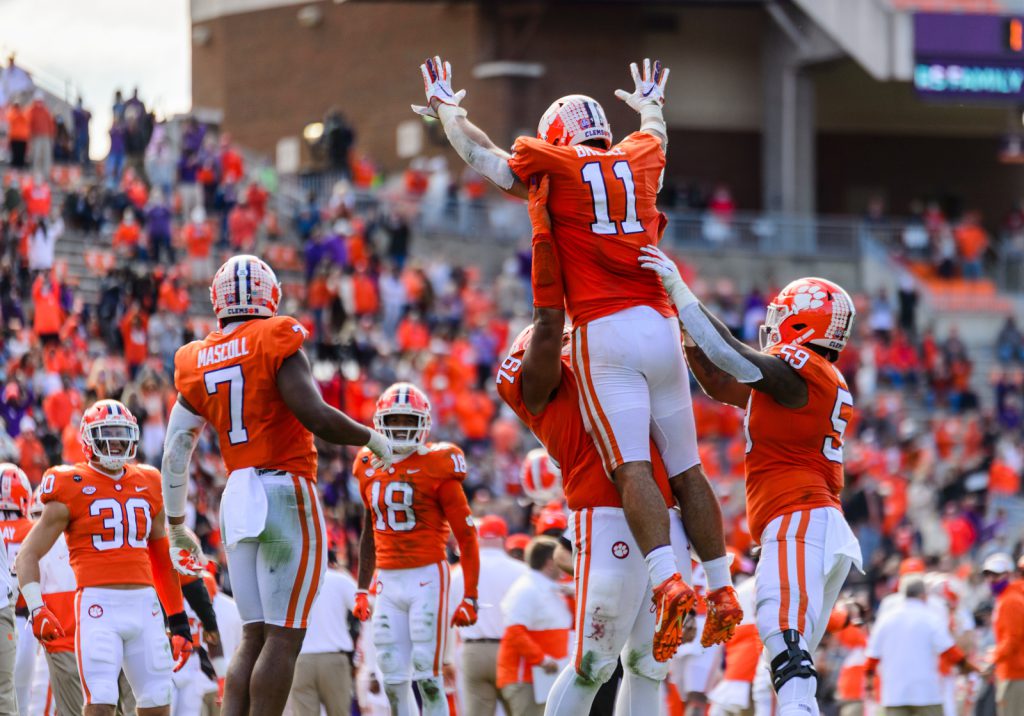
399,400
574,119
540,477
812,311
109,434
521,341
15,489
245,286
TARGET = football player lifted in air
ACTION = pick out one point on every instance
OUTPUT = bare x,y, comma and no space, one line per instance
538,380
252,382
626,348
411,507
112,514
798,406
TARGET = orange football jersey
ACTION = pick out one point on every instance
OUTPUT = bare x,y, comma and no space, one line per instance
560,428
413,503
795,456
602,206
230,377
109,522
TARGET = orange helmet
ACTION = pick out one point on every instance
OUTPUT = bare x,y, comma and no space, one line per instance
809,310
15,489
106,424
551,520
574,119
403,399
540,477
522,341
245,286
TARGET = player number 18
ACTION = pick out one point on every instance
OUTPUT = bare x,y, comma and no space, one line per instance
396,511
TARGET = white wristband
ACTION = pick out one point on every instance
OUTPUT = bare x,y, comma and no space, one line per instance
33,594
653,118
446,112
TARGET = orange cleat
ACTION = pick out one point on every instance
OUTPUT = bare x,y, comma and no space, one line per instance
724,613
673,599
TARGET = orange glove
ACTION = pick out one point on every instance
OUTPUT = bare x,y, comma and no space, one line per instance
45,625
181,639
465,613
220,691
362,610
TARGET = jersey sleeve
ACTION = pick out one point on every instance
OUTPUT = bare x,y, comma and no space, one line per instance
156,495
359,466
54,486
532,156
644,147
451,462
186,378
284,338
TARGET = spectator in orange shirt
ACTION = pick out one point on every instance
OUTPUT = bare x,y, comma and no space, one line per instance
42,129
364,293
474,411
413,335
71,444
1008,627
37,196
242,227
60,405
172,296
232,166
198,238
971,242
49,315
17,134
127,235
33,456
136,341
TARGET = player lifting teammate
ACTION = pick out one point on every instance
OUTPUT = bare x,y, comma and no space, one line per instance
112,513
797,405
252,382
625,346
410,509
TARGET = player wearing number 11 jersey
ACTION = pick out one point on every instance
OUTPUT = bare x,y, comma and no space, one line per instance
798,406
410,509
251,381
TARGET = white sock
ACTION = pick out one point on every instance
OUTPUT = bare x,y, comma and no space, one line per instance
796,697
718,574
570,696
435,702
638,696
400,696
661,564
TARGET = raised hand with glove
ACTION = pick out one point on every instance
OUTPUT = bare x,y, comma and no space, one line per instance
648,97
437,85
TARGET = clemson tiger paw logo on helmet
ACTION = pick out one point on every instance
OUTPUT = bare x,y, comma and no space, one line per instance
809,297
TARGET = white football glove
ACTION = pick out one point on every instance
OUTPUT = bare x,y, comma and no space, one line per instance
437,84
186,552
650,88
654,259
381,447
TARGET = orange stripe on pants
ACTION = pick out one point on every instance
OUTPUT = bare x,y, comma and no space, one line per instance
780,540
588,383
78,646
314,584
801,569
300,577
442,616
582,579
602,448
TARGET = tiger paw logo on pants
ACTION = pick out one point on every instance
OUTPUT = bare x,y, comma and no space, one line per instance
95,611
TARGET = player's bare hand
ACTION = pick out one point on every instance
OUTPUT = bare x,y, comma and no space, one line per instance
381,447
549,665
650,86
437,85
689,628
537,204
45,625
362,610
186,551
211,638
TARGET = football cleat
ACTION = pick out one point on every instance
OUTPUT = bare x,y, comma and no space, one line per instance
673,599
724,614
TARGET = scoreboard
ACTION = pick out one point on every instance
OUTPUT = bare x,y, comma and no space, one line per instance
969,57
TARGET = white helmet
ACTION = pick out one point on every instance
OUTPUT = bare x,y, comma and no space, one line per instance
540,477
15,489
245,286
35,509
106,423
403,399
574,119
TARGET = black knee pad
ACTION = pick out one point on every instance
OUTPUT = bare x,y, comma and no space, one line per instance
794,663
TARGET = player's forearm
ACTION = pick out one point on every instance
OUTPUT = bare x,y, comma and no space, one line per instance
718,344
183,428
715,382
476,148
26,564
367,556
336,427
542,362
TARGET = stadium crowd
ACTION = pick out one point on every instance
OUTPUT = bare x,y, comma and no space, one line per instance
932,468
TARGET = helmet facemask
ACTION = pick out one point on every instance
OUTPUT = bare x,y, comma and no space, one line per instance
406,427
113,445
